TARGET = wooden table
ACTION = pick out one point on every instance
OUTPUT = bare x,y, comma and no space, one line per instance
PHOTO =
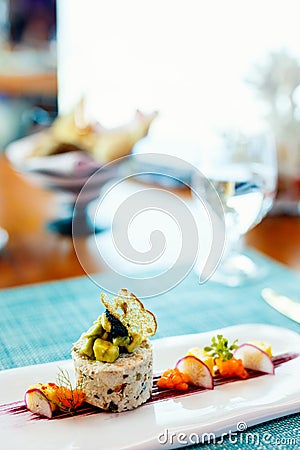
41,84
33,254
25,73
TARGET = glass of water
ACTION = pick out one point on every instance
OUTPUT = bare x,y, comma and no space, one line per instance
242,167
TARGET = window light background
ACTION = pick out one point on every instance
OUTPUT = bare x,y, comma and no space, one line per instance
188,59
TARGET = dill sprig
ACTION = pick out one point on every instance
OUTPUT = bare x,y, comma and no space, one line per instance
68,398
63,379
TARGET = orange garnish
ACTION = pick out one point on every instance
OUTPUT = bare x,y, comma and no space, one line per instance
68,399
173,379
231,368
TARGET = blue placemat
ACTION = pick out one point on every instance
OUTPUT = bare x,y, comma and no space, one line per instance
39,323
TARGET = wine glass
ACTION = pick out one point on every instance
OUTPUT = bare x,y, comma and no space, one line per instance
242,167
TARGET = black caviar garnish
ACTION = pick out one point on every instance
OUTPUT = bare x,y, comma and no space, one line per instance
117,328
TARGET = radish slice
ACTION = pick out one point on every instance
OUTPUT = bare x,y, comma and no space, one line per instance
38,403
254,358
197,371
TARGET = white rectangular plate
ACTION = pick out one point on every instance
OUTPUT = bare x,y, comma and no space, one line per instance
166,424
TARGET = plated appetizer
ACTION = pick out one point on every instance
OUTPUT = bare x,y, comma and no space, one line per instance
113,366
113,360
113,363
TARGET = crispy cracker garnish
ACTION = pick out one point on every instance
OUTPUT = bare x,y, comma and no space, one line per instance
131,312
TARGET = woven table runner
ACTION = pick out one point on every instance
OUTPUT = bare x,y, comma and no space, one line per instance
39,323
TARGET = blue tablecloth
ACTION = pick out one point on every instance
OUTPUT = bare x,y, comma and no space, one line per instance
39,323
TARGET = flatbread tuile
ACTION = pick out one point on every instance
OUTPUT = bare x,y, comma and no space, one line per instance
131,313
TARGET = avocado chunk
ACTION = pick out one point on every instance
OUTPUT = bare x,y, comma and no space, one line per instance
121,341
135,342
94,330
105,351
87,349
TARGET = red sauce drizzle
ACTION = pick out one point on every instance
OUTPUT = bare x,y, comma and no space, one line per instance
18,408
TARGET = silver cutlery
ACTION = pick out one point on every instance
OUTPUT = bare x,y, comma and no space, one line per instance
285,305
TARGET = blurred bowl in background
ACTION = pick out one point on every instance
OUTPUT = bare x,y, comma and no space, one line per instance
65,174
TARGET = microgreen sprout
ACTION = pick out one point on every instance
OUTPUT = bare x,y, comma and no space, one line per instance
220,347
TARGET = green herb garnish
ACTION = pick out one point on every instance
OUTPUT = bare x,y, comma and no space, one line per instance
220,347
